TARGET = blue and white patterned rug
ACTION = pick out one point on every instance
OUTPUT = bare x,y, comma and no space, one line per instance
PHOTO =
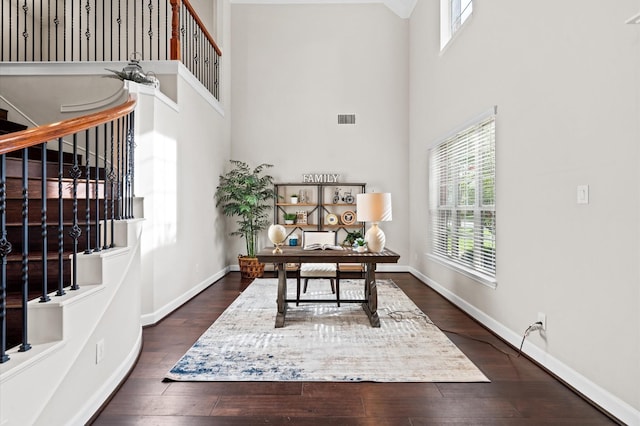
321,342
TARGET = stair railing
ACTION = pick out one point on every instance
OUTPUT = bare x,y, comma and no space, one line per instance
106,139
109,30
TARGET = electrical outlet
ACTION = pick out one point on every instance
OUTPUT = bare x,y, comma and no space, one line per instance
99,351
542,317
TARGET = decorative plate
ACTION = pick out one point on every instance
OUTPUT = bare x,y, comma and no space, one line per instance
348,217
332,219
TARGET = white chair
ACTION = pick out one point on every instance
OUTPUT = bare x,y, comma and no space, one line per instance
319,270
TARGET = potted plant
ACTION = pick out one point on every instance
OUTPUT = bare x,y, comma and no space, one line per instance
289,218
294,198
360,245
351,238
245,192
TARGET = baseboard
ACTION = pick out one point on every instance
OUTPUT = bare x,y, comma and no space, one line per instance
91,407
590,390
154,317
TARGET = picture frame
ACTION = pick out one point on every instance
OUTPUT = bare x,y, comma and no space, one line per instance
301,217
348,217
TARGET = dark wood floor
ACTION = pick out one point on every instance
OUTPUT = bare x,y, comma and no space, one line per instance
520,393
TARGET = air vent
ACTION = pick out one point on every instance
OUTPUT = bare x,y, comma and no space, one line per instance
346,119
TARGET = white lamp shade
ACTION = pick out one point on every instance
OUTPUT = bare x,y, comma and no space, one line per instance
373,207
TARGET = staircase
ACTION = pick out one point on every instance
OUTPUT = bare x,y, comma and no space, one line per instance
43,265
7,126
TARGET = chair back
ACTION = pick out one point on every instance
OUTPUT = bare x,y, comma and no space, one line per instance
321,237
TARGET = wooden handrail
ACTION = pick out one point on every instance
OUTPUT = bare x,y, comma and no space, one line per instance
202,27
35,136
175,28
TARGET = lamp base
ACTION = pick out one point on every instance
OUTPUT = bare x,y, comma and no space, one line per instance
375,238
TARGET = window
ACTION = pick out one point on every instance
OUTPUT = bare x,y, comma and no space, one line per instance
462,176
453,13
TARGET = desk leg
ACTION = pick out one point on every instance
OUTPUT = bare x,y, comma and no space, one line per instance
371,294
282,295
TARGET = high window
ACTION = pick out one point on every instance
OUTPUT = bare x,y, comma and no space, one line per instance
453,13
463,199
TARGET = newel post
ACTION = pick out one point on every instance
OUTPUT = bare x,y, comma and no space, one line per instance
175,30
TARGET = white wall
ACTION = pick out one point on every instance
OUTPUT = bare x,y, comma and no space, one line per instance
564,76
295,68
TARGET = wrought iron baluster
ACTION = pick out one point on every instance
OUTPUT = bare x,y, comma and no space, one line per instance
126,169
112,180
25,346
25,35
43,226
130,167
106,172
75,232
71,32
87,32
132,156
64,30
5,249
119,173
87,171
96,189
119,21
33,31
126,28
40,39
60,219
150,32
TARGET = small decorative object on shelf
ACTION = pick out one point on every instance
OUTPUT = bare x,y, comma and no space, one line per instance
348,217
289,218
293,198
332,219
301,217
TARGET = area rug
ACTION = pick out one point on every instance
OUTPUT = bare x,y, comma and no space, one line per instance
323,342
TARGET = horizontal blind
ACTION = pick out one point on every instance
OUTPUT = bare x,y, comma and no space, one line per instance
462,172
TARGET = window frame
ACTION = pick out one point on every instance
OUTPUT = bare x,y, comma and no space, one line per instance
445,239
451,25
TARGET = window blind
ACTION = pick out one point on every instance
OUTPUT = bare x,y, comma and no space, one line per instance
462,200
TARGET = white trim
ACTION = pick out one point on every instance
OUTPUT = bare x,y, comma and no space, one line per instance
92,405
100,103
154,317
100,68
490,282
490,112
635,19
184,72
600,396
17,110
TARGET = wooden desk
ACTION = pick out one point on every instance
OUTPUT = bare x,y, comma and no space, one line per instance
298,255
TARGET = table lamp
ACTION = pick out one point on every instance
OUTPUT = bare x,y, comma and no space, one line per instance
374,207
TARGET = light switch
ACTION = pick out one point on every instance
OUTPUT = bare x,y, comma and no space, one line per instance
583,194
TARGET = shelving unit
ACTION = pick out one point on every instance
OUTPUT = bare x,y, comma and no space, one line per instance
317,202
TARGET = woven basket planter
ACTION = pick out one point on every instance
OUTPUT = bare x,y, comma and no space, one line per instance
250,267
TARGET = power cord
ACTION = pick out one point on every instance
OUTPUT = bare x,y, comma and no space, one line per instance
535,326
398,316
404,315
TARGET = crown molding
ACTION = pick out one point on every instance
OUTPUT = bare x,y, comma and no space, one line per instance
402,8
